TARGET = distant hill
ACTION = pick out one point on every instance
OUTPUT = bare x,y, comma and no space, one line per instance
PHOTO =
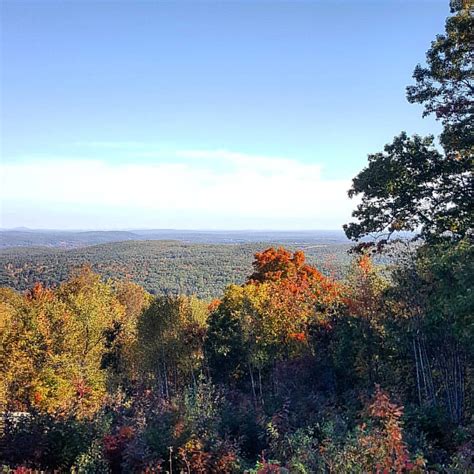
61,239
158,265
246,236
24,237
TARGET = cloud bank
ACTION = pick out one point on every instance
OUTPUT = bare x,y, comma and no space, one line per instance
190,189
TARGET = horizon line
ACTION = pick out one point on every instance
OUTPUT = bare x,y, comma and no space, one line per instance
165,229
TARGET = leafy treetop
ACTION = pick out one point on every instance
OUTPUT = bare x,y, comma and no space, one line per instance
411,185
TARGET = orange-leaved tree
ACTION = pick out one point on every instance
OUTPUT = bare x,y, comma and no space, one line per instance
268,318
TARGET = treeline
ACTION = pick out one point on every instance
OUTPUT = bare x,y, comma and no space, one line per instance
158,266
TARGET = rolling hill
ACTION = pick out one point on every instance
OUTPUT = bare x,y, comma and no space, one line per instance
158,265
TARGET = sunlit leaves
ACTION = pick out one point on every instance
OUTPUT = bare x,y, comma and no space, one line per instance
54,344
268,318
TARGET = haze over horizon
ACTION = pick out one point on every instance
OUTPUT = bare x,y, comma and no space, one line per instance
200,116
147,230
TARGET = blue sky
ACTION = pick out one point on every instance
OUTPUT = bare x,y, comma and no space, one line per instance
251,114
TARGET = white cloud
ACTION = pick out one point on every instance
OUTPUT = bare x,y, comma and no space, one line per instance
227,189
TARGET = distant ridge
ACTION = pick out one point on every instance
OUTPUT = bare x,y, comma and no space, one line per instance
60,239
67,239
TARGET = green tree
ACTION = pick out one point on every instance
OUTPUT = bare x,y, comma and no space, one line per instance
170,341
432,308
234,343
358,337
411,185
414,186
445,85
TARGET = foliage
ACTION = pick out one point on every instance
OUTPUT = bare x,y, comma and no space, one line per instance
53,342
270,375
412,186
445,86
267,319
170,341
376,445
157,266
356,343
431,316
46,441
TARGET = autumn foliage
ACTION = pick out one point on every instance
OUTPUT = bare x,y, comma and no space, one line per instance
384,443
268,378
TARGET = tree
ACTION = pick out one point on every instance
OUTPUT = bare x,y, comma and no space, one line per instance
170,341
279,264
54,342
445,86
432,308
412,186
267,320
398,190
17,350
358,337
121,338
231,337
92,310
377,445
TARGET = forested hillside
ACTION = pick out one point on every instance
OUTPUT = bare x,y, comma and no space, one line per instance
158,266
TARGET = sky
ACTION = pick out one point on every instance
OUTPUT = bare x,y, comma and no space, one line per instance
201,115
